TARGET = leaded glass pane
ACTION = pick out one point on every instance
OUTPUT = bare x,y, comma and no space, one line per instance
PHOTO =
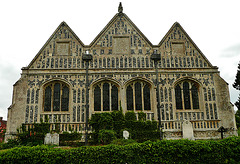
114,97
129,98
138,96
65,99
186,95
178,97
56,97
146,92
47,99
195,100
97,99
106,106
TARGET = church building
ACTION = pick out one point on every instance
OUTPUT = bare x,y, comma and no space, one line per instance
68,81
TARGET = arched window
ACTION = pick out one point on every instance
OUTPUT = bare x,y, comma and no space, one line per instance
105,96
138,96
186,95
56,97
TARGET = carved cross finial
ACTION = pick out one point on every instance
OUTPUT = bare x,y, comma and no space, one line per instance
120,8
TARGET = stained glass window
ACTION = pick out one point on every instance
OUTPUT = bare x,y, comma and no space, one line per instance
56,97
65,98
114,97
106,97
129,98
146,93
186,95
190,97
178,97
97,99
140,98
195,101
48,99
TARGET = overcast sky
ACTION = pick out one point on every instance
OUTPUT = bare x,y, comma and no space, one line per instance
26,25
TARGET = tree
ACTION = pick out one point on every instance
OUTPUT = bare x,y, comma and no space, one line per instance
236,85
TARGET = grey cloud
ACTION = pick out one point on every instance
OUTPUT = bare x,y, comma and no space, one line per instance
231,51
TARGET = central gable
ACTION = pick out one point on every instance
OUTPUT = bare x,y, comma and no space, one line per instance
120,36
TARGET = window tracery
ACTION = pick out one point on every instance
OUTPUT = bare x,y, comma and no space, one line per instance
138,96
56,97
105,96
187,95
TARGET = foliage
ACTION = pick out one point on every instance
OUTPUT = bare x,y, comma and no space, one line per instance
236,85
66,136
164,151
140,130
123,141
106,136
101,121
130,116
237,117
141,116
10,144
2,133
70,139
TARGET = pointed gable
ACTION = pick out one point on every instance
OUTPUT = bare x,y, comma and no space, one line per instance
120,36
63,43
179,50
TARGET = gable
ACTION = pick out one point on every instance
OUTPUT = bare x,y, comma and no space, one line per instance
120,36
178,50
62,45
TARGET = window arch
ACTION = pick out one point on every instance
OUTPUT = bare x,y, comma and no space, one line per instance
105,96
56,97
138,96
187,95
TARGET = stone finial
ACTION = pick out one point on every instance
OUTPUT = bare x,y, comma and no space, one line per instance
120,8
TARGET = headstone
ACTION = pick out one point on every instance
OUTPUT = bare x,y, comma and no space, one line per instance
125,134
187,130
51,139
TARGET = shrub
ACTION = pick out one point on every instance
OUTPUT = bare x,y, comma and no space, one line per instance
123,141
164,151
130,116
66,136
141,116
106,136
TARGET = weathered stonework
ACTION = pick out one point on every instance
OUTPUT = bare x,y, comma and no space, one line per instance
121,60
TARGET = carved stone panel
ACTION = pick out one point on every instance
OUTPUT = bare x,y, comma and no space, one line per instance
62,48
121,45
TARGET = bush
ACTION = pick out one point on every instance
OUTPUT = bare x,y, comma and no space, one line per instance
66,136
164,151
106,136
139,130
70,139
130,116
123,141
141,116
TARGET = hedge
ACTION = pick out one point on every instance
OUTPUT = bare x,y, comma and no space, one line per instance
165,151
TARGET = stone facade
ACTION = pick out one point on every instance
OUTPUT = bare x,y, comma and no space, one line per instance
123,70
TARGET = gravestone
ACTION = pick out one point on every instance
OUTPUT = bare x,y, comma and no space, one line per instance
51,139
125,134
187,130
